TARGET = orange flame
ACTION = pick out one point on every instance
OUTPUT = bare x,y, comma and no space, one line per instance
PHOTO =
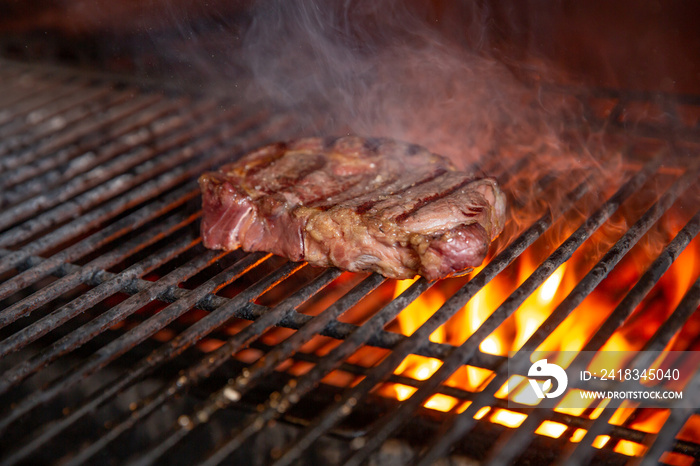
571,335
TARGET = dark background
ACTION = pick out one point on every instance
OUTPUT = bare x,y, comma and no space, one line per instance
649,45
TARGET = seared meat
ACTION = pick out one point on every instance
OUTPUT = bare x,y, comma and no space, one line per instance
359,204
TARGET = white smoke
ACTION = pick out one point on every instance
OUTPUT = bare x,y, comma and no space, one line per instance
380,68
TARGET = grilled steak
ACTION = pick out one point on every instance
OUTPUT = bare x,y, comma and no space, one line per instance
359,204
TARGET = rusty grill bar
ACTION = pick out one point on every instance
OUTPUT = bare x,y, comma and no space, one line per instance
101,271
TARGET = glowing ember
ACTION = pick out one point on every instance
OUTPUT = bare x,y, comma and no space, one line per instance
441,402
568,338
507,418
649,420
403,392
551,429
600,441
578,435
571,335
629,448
677,459
482,412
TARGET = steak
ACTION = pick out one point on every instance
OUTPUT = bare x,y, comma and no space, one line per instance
363,205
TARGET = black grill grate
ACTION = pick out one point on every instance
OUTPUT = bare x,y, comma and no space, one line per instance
113,311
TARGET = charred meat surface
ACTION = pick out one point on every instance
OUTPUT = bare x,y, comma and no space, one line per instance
372,205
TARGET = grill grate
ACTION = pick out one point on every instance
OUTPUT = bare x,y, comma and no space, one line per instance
106,291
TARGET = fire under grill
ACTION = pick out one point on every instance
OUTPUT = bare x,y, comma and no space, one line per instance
123,339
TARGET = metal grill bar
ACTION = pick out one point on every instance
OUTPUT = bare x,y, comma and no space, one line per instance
108,176
212,362
268,363
143,128
122,280
519,439
147,328
671,130
656,343
24,88
193,334
617,431
465,420
59,102
305,441
236,131
170,162
581,454
30,125
543,271
72,253
69,281
294,392
384,344
97,325
236,388
293,320
171,201
62,139
682,410
166,178
99,176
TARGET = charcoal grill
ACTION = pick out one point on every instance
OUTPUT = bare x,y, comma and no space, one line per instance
123,339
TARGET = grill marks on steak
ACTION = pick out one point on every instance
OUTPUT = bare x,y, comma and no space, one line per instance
358,204
397,189
432,198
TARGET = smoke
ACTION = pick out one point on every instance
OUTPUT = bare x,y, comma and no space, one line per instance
382,68
423,72
428,72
